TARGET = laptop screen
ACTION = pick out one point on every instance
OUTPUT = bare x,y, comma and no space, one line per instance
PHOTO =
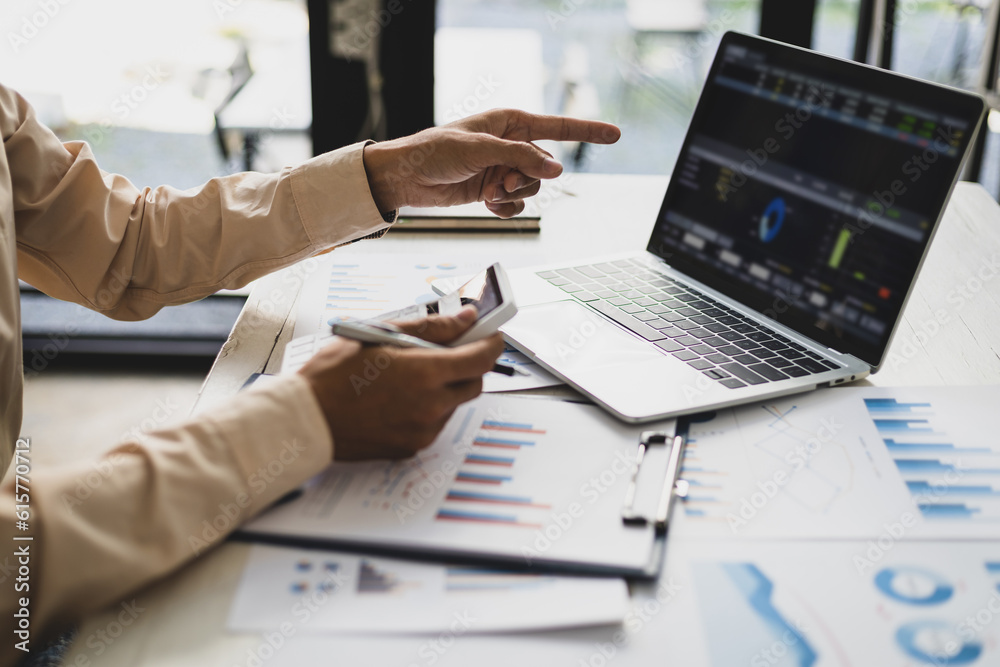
808,188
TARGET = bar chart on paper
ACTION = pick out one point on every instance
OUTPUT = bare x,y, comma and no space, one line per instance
508,478
847,463
495,451
953,475
490,457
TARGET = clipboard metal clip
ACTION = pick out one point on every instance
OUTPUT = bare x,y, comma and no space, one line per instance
672,486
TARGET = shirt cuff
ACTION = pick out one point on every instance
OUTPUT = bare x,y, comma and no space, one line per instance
334,201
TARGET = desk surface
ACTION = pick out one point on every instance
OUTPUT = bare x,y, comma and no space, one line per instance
947,338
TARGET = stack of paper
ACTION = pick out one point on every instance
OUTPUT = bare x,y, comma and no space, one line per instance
846,526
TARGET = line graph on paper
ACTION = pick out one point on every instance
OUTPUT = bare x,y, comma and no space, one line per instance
754,454
827,472
396,482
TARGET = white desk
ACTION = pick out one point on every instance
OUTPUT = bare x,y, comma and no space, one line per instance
184,615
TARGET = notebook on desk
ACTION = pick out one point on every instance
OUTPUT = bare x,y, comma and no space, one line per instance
798,215
473,217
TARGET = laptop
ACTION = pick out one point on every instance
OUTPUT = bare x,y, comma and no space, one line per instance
801,207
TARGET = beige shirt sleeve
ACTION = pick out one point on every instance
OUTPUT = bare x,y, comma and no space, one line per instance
106,527
92,237
87,236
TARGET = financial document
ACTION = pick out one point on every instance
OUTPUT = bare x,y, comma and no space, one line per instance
514,479
819,604
847,463
331,592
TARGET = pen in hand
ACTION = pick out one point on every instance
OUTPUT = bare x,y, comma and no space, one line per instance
384,333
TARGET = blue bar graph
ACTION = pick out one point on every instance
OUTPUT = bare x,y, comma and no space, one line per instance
944,478
932,448
492,424
948,511
701,479
505,443
952,490
924,465
482,459
479,478
702,485
934,465
896,425
493,498
477,516
702,499
484,517
883,405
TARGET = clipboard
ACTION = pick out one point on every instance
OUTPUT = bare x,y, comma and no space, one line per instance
672,486
528,496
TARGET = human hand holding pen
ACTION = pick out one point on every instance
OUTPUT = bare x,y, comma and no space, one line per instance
390,402
386,333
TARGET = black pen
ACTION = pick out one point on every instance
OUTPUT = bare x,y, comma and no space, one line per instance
383,333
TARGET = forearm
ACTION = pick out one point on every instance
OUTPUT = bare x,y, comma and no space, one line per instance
133,252
105,528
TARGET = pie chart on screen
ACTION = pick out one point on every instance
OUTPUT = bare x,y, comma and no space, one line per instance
772,219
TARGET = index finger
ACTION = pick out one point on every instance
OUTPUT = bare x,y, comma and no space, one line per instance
561,128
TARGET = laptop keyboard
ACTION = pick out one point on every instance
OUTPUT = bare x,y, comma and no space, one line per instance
688,324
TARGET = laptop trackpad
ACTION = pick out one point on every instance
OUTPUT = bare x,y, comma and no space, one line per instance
619,370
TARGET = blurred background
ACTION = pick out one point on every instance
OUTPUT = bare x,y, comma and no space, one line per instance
177,92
